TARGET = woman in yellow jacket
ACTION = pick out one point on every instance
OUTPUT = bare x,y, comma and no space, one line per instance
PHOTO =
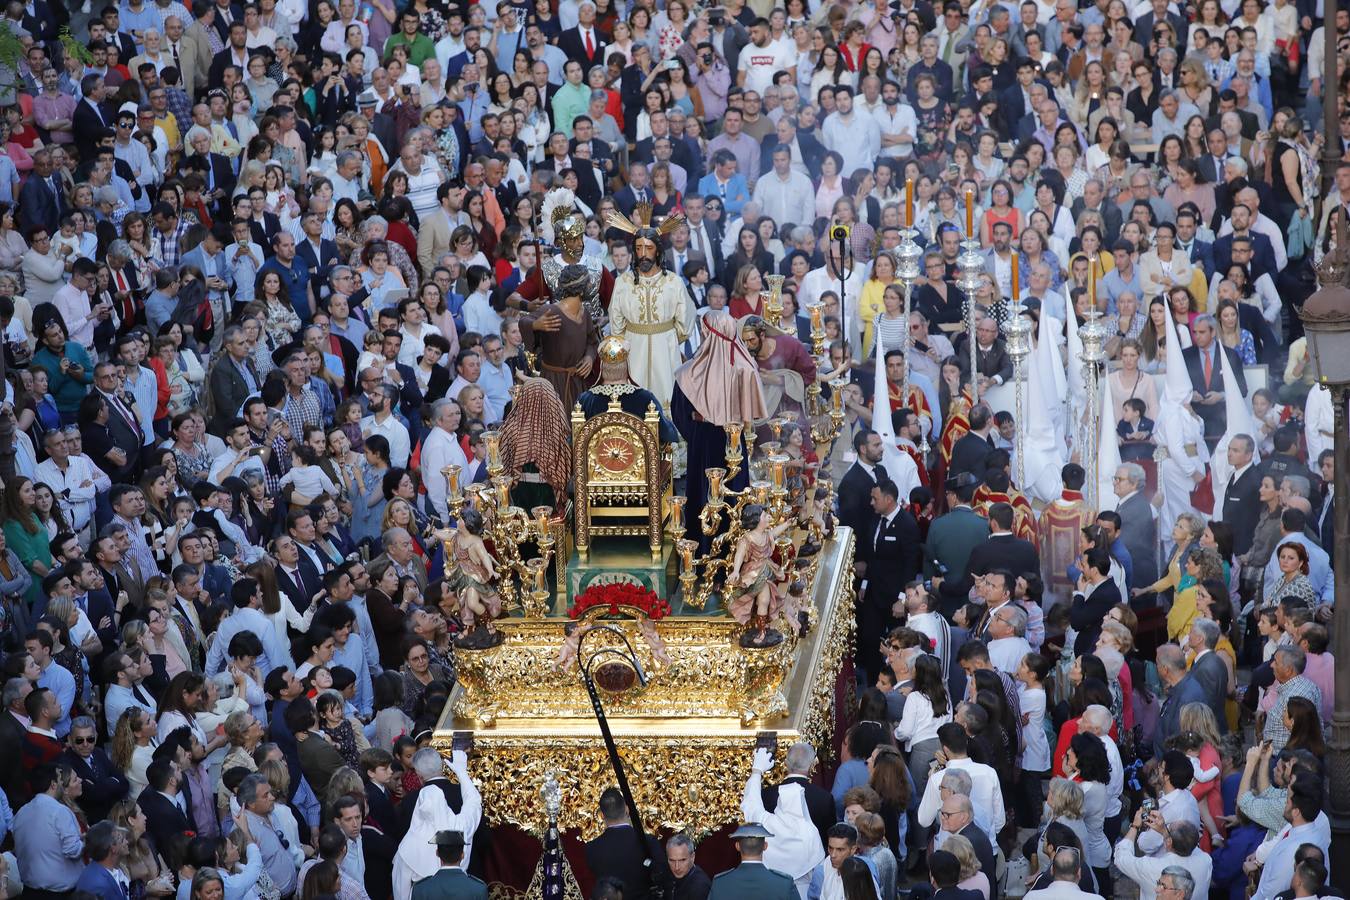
1202,564
871,303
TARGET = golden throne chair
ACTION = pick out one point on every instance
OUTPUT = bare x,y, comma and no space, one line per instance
622,477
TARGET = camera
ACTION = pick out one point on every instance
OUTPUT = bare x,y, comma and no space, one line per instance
928,585
839,232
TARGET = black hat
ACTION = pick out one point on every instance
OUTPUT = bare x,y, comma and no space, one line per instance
961,480
453,840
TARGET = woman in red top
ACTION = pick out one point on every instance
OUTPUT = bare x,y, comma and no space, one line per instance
1000,210
745,293
1088,689
852,45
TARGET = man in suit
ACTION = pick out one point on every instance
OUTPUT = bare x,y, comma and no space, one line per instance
616,852
704,235
378,773
1238,503
1143,26
1324,519
105,846
958,817
291,575
235,54
41,200
636,191
450,882
680,253
1094,200
1138,527
752,878
164,806
1097,593
890,560
969,453
317,253
1208,667
12,731
1066,868
951,538
233,381
1263,259
123,423
1200,253
1207,377
92,117
1002,549
855,488
1181,687
690,882
800,761
585,43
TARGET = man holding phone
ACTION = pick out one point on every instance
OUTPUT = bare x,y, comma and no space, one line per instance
240,454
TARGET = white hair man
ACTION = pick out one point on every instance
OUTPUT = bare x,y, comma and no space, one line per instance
1096,720
796,849
440,805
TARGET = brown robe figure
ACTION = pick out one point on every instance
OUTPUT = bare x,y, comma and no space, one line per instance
565,338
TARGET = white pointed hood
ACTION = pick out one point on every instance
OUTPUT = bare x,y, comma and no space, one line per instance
1240,421
1177,387
1043,443
1108,451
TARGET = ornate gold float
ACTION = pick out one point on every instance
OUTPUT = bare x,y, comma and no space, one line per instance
686,728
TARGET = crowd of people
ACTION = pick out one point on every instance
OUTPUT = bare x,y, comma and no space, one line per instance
267,268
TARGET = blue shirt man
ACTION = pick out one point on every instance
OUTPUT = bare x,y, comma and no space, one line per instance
294,275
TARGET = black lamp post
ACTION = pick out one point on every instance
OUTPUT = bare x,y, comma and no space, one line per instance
1326,322
617,674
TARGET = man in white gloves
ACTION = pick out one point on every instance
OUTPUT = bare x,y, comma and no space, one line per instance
795,849
441,805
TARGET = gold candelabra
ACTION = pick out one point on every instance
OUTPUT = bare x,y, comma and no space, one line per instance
817,313
773,300
506,527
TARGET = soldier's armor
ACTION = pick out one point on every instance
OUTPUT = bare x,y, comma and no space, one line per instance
552,268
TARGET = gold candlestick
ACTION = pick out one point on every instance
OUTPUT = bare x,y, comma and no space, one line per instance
677,504
451,473
492,438
773,308
502,485
778,469
688,571
715,477
760,491
542,514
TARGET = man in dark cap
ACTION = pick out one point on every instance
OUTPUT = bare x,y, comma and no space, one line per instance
752,878
450,882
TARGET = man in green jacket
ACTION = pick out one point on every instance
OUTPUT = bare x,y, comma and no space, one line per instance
450,882
752,878
69,369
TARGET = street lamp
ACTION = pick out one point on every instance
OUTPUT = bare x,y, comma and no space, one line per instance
1326,322
619,672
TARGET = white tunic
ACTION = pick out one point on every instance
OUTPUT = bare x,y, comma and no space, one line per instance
655,316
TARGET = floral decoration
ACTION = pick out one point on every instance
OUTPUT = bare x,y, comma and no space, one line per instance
618,595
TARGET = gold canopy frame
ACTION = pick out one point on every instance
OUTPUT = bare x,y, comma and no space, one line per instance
686,740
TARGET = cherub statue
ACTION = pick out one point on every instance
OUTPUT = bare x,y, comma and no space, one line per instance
753,582
470,577
817,518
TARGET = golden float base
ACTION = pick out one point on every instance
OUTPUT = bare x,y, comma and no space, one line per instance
686,739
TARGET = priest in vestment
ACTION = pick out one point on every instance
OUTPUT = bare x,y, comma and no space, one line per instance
786,367
1061,533
565,338
997,488
911,396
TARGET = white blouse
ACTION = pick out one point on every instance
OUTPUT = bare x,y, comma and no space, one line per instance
917,723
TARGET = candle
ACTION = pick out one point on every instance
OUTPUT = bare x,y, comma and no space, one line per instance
909,202
541,517
451,474
817,311
1016,290
1092,280
715,476
970,214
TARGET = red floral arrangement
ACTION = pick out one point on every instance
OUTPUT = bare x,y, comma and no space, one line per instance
618,595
